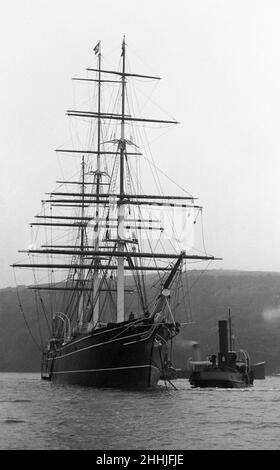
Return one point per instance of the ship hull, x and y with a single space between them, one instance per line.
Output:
122 357
218 379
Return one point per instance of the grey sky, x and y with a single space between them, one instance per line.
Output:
220 61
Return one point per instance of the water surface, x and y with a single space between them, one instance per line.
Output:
36 414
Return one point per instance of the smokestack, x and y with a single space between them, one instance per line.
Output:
196 352
223 338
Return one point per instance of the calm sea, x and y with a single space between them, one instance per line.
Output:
36 414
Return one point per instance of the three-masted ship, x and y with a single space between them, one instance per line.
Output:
114 324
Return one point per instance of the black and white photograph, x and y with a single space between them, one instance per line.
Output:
140 228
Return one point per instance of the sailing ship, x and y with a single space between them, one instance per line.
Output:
108 253
232 369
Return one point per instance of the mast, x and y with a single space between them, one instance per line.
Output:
82 243
121 206
98 184
98 175
230 330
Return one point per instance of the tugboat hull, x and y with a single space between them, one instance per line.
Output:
218 378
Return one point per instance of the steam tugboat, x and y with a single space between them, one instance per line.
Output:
232 369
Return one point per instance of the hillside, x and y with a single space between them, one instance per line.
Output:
254 299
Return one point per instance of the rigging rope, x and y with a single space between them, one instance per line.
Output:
24 317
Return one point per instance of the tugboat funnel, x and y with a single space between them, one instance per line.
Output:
196 352
223 338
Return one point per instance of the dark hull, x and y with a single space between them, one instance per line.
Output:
218 379
123 356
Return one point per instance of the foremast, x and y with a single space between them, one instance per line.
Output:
98 185
121 205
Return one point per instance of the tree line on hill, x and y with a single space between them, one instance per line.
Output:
253 298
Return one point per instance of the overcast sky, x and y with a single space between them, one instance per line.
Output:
220 64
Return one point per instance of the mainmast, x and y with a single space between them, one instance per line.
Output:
121 206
